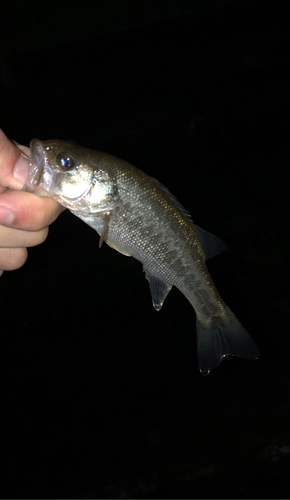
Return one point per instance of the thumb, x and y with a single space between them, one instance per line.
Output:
13 165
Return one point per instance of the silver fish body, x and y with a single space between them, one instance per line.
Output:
139 217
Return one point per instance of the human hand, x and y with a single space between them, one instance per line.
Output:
24 217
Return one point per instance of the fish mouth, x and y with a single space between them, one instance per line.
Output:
36 164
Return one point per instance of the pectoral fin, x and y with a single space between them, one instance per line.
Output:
159 289
104 236
105 229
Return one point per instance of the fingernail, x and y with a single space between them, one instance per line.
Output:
21 169
6 217
21 148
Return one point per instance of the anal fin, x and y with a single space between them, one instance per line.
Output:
159 289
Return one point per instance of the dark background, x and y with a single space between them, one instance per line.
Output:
101 396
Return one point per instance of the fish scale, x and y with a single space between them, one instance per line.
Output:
137 216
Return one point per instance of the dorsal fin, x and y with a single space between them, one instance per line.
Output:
175 200
211 244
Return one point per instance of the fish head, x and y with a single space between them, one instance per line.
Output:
72 175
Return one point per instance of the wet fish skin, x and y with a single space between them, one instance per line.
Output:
136 215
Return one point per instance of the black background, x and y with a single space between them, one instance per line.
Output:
101 396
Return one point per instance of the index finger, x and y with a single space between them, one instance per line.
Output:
13 165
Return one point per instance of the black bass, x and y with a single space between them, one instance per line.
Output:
137 216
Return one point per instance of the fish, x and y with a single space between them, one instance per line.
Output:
139 217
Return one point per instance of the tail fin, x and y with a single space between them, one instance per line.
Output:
221 337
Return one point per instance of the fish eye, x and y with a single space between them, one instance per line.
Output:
65 160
